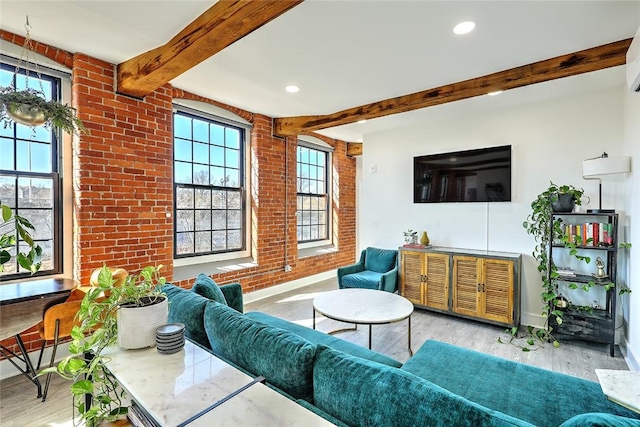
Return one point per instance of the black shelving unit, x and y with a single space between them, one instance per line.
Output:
597 324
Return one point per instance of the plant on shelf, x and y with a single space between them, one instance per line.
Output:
12 227
97 330
410 236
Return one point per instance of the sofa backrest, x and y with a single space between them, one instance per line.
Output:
285 359
364 393
380 260
187 307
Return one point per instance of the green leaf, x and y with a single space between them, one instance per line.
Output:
556 344
6 213
499 340
82 387
526 349
530 342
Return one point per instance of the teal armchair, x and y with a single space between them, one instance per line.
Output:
377 269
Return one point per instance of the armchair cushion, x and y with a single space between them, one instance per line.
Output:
364 279
208 288
380 260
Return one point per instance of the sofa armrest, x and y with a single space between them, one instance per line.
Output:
389 281
349 269
233 294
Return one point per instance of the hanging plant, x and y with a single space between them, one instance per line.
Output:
30 108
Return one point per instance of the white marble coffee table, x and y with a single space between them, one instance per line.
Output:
174 388
621 387
364 307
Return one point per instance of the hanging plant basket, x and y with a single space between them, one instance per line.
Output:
30 108
25 114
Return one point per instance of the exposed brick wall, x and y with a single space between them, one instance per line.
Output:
122 174
60 56
123 186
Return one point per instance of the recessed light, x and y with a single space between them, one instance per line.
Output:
292 89
362 121
494 93
464 27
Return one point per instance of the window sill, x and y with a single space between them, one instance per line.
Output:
316 250
190 271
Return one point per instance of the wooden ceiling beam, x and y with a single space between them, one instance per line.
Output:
354 149
584 61
221 25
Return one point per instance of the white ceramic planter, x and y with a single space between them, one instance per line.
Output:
137 325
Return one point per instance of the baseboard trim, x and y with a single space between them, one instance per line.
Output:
629 354
287 286
7 370
530 319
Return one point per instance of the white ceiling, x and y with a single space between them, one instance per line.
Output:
347 53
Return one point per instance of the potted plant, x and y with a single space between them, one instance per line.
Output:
95 390
30 108
12 226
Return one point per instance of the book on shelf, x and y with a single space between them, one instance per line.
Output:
596 234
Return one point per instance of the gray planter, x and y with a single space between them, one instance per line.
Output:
565 203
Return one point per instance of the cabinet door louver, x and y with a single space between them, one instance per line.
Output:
412 276
437 286
465 285
498 290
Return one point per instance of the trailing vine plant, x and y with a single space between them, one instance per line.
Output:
546 232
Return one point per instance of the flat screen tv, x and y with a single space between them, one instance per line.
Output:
482 175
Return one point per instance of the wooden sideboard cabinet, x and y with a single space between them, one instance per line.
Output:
427 279
482 285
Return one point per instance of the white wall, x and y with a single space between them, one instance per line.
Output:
631 302
549 141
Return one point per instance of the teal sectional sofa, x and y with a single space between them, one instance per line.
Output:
349 385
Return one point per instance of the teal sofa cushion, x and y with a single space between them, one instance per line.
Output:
317 337
536 395
233 294
364 393
188 308
380 260
208 288
600 420
365 280
282 357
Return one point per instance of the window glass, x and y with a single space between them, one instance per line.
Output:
29 177
208 180
312 212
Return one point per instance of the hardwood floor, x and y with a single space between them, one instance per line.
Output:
19 406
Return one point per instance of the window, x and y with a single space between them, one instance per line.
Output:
313 194
208 185
29 176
